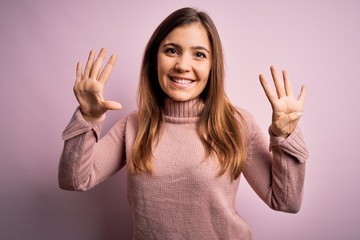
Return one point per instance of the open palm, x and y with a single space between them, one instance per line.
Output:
89 87
287 110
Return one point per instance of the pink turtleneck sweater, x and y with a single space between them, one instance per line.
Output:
184 198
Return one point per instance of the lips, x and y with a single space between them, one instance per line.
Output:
181 80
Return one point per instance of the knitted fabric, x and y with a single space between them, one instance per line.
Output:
184 198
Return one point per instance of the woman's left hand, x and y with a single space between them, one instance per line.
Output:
286 109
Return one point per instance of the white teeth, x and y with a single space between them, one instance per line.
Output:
181 81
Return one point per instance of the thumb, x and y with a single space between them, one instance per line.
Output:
294 116
112 105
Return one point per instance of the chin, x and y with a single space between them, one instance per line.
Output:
180 98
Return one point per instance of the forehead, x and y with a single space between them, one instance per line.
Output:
193 34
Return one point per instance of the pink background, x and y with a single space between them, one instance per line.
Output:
318 42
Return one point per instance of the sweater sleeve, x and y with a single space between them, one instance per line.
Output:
86 159
276 173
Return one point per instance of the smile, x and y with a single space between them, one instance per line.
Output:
181 81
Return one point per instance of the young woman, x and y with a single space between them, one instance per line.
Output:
186 146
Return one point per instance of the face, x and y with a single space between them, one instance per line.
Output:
184 62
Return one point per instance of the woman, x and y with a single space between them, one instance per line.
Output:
186 146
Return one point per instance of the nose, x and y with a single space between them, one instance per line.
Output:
183 63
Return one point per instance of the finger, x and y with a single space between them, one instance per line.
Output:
267 89
288 88
294 116
89 64
94 73
302 95
104 76
112 105
78 72
279 85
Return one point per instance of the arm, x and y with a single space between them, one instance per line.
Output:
87 160
277 176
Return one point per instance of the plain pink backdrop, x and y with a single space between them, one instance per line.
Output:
318 42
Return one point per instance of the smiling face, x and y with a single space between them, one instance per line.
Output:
184 62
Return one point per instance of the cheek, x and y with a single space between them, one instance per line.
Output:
162 67
160 61
203 72
161 70
204 84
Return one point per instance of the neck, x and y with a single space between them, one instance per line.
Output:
183 109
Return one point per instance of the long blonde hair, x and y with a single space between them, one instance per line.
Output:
220 127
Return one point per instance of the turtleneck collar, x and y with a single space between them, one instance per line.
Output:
182 112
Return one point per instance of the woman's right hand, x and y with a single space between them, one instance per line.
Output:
89 87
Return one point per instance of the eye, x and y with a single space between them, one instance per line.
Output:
171 51
200 55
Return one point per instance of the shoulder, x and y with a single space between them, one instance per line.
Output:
132 122
245 115
129 118
126 122
248 123
132 117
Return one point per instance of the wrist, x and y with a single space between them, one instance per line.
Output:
281 135
89 118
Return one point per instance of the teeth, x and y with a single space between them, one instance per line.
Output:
182 81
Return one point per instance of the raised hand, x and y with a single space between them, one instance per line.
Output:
89 87
286 109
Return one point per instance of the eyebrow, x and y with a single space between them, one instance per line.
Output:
194 47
